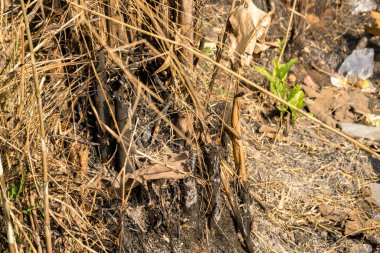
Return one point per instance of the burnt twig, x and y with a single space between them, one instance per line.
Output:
238 217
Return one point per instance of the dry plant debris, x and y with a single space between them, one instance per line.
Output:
137 156
334 105
247 28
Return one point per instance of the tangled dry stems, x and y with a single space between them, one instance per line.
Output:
85 211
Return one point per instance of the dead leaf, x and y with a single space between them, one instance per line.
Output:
374 30
185 123
336 218
333 106
332 215
376 15
312 19
247 28
83 156
267 129
164 66
353 225
272 132
174 168
375 194
78 155
324 210
310 87
322 105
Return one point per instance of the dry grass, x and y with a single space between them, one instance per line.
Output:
88 213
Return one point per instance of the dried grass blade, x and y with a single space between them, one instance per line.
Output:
7 219
49 246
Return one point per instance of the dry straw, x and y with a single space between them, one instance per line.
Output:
44 135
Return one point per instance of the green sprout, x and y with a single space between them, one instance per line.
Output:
278 86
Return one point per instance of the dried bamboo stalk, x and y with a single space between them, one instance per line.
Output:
237 143
185 20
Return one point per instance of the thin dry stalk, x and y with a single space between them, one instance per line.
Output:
34 223
7 217
22 80
288 31
37 91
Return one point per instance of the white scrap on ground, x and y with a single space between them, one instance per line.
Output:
361 6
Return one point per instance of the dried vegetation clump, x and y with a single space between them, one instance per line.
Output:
118 109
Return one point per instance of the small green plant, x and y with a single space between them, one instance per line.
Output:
281 44
28 210
15 189
208 50
279 87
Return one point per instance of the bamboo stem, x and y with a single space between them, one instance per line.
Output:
185 20
237 143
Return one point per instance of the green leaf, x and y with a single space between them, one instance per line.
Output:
281 44
282 108
276 67
208 50
279 89
265 73
296 98
20 185
283 69
278 86
12 192
27 211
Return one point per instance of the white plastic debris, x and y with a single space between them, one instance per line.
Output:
355 71
358 64
361 131
338 80
361 6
